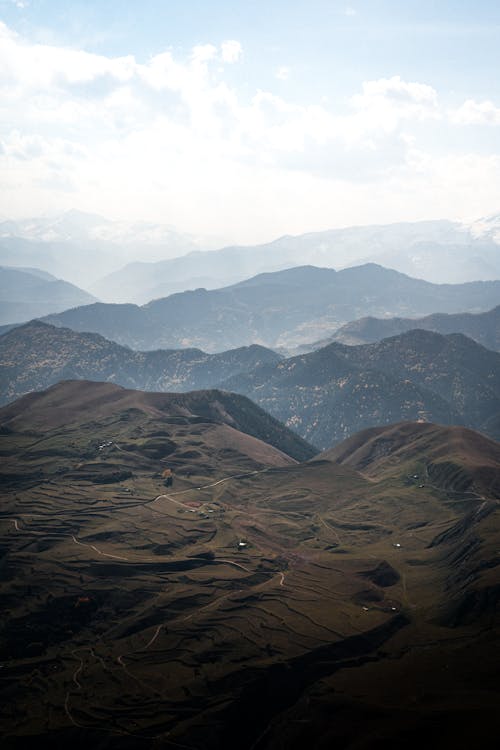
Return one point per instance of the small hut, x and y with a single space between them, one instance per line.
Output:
168 477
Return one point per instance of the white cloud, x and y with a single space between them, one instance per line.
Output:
476 113
169 139
36 66
349 11
388 101
231 51
203 53
283 73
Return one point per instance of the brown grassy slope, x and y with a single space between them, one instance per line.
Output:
133 618
73 402
455 456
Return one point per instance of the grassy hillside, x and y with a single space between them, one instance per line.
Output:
453 457
250 601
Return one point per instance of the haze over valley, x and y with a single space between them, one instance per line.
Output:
285 308
90 250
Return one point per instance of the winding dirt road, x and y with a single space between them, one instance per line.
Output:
99 552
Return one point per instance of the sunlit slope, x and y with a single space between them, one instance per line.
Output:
453 457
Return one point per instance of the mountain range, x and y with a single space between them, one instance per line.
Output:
281 309
333 392
325 395
27 293
482 327
253 596
139 261
37 355
438 251
206 542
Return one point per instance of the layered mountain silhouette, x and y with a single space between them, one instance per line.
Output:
37 355
324 396
285 308
27 293
482 327
208 543
420 375
464 253
82 247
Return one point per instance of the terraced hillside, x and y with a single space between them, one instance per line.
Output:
254 601
456 459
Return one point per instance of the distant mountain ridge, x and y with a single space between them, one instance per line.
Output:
324 396
281 309
31 293
335 391
81 247
465 253
139 261
484 328
37 355
79 226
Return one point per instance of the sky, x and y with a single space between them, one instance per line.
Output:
249 120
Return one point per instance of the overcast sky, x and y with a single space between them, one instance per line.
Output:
250 119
